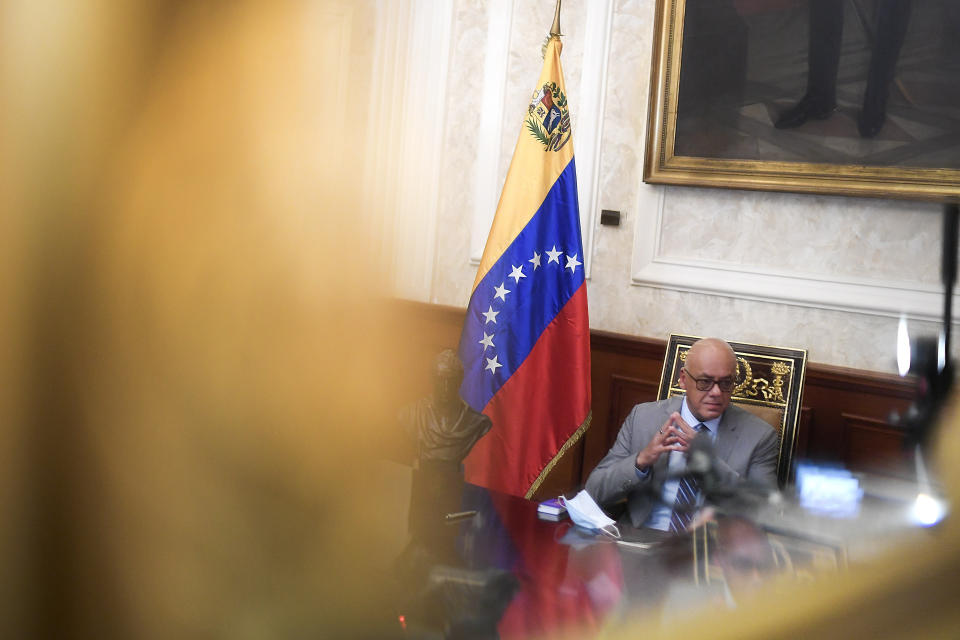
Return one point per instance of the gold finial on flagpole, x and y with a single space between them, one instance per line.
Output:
555 29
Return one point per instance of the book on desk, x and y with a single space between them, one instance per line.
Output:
551 509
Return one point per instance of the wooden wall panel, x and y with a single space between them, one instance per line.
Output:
834 396
843 418
872 445
623 374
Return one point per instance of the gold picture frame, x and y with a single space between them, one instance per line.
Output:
665 163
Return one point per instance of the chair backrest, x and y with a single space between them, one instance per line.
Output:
769 384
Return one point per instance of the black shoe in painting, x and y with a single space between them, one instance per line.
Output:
808 108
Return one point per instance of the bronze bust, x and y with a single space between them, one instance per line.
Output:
443 426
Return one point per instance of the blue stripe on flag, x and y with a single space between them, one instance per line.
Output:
532 301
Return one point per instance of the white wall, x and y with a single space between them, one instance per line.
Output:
829 274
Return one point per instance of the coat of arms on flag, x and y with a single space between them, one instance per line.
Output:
549 119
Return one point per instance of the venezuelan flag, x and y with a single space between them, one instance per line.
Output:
525 344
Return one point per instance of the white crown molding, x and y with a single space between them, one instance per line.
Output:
915 300
588 127
406 148
381 148
486 185
423 127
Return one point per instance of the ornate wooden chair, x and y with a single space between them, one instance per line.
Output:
769 383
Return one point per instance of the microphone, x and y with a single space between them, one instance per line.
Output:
702 465
725 493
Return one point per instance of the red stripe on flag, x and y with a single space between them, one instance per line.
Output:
537 410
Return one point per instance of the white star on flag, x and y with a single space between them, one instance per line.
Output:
554 255
487 341
572 263
501 292
490 315
492 364
517 273
535 260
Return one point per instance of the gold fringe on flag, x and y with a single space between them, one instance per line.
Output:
572 440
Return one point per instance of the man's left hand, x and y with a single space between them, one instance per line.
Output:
684 430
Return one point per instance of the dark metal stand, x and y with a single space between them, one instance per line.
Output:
930 357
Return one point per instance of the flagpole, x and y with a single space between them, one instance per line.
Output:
555 29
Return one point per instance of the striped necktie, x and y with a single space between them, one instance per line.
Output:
683 506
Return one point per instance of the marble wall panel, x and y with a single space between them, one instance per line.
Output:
819 236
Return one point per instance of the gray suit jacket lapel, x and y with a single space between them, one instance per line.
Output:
727 437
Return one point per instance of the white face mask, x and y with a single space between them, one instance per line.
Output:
585 513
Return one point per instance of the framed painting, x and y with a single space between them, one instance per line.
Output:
737 100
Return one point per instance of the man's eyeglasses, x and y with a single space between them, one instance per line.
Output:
705 384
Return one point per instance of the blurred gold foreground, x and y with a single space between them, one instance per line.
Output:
197 369
193 397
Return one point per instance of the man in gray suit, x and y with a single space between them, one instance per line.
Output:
646 464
